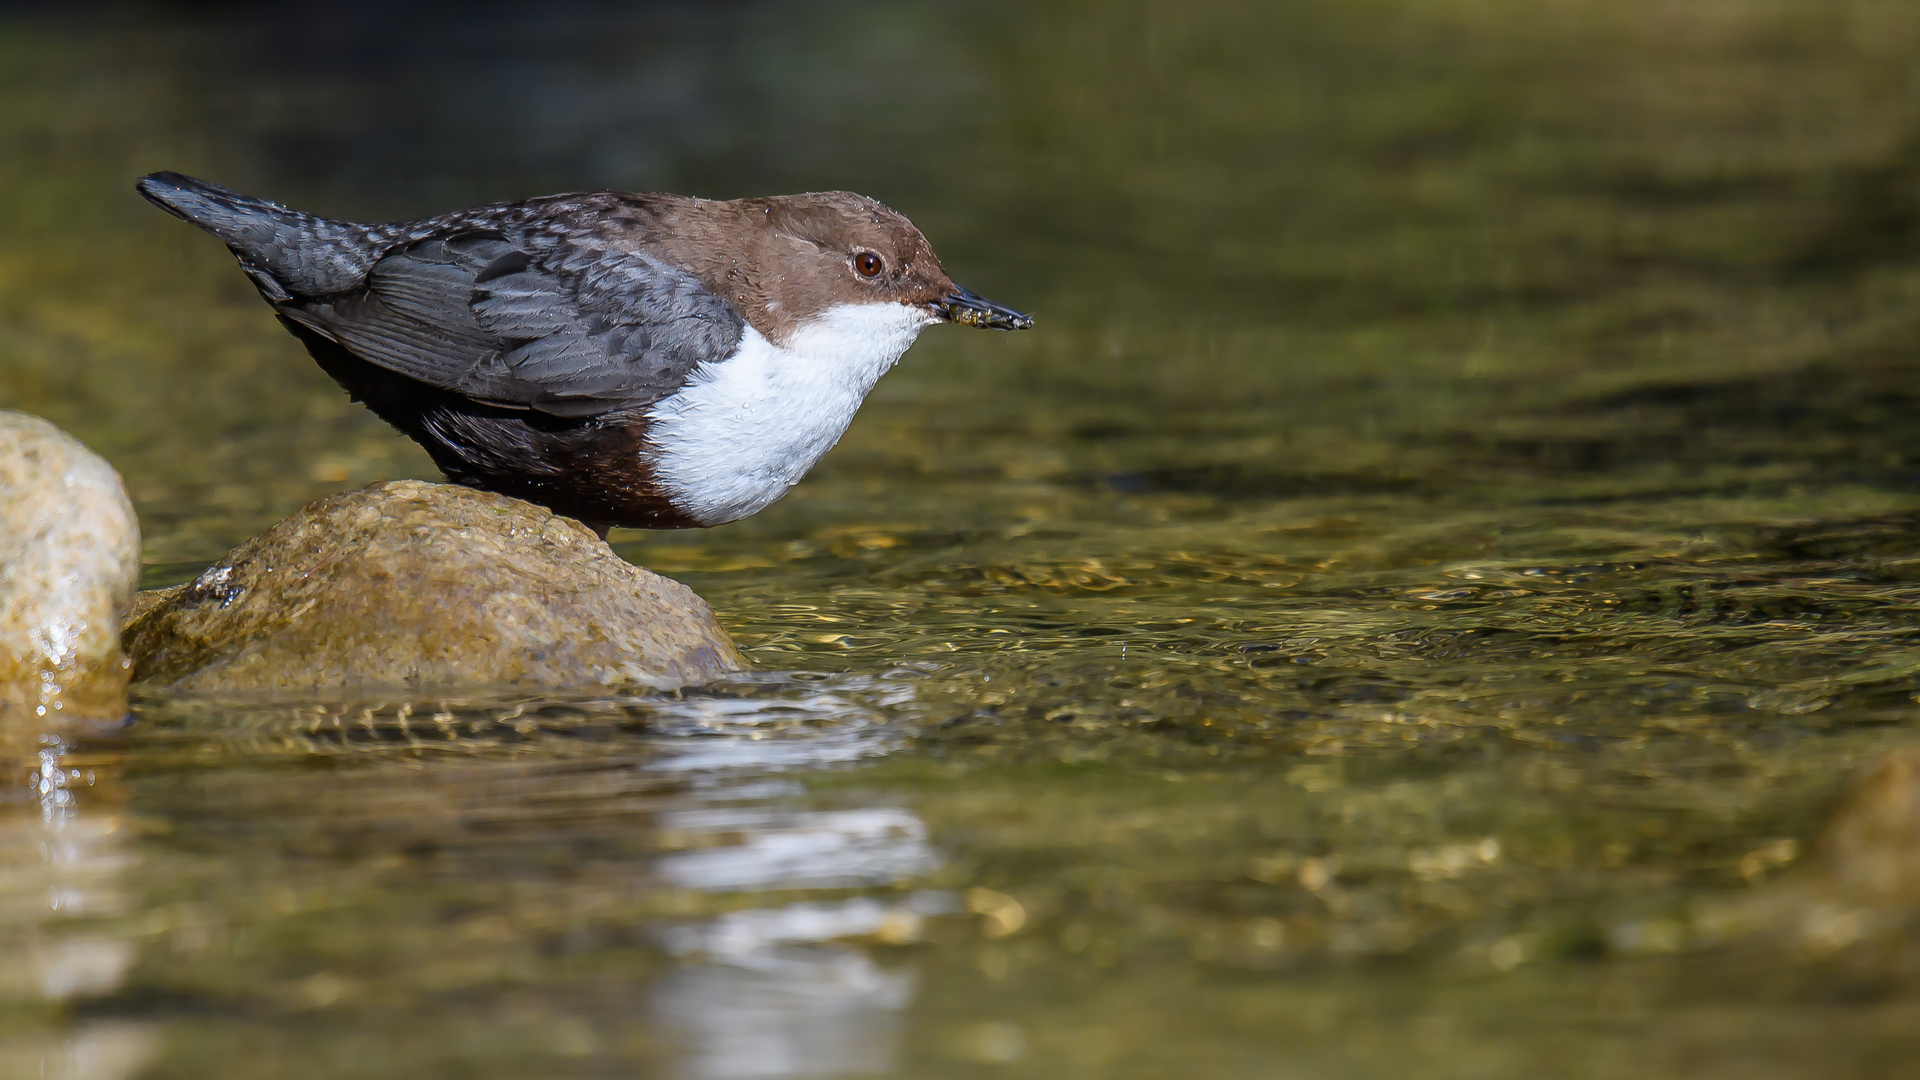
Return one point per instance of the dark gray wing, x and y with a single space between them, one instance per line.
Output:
532 322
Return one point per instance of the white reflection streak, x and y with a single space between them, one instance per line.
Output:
808 724
772 1000
52 784
776 992
67 863
812 1011
799 850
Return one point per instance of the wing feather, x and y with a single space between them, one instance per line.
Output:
533 321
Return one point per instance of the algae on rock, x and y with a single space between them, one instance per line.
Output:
420 586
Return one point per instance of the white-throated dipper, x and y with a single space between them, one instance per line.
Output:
642 360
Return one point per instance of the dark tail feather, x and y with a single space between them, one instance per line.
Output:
240 220
281 249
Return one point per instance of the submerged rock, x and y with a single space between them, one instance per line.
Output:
419 586
1870 844
1857 892
69 564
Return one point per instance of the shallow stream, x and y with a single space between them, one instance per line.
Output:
1452 528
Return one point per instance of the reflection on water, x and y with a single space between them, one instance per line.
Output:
767 992
672 824
815 850
1444 546
791 1012
849 718
63 888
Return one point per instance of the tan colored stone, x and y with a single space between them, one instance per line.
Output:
418 586
1857 893
1871 840
69 564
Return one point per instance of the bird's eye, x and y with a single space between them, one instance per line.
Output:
867 264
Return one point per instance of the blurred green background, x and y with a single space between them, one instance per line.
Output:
1442 548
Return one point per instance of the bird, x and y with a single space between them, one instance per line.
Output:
637 360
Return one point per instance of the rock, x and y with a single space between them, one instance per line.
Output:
1870 843
1857 892
69 564
415 586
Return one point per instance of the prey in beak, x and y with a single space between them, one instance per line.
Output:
968 308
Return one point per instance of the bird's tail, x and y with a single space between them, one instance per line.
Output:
240 220
277 246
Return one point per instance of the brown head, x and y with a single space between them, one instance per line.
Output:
784 259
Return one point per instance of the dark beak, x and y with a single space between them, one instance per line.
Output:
970 309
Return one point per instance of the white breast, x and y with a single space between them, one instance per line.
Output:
745 429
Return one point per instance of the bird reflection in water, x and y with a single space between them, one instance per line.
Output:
520 839
776 991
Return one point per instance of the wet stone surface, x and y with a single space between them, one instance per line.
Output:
423 587
69 561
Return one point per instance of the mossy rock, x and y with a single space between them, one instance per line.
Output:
415 586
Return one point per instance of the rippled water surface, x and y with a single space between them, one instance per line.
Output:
1444 545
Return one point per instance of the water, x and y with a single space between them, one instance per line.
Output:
1448 537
